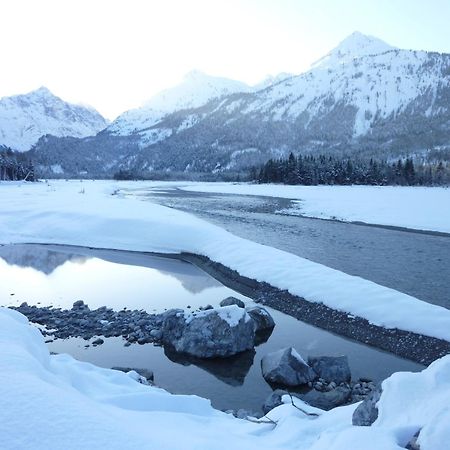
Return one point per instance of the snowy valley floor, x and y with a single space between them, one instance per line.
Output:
57 402
419 208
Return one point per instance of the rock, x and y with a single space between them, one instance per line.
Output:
367 412
331 368
156 334
286 367
326 400
98 341
263 320
205 308
244 413
219 332
232 301
413 444
78 304
273 400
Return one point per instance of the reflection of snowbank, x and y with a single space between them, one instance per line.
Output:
58 402
60 214
37 257
47 258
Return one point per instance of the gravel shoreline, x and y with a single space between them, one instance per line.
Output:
415 347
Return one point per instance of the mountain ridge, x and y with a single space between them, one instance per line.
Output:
24 118
363 96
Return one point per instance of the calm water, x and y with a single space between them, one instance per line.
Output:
59 275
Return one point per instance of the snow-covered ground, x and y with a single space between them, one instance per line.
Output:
421 208
58 402
86 214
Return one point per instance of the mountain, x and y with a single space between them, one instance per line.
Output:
195 90
363 97
25 118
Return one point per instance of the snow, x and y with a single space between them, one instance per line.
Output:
231 314
376 80
86 214
420 208
297 356
195 90
25 118
54 401
354 46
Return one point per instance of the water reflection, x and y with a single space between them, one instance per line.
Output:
58 276
231 371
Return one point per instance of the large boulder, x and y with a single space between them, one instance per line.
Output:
331 368
367 412
218 332
327 400
263 320
232 301
287 368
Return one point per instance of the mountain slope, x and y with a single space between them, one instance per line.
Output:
195 90
25 118
364 96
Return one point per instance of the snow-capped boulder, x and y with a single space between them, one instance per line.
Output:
261 317
367 412
219 332
232 301
286 367
331 368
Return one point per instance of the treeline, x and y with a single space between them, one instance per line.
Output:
325 169
15 166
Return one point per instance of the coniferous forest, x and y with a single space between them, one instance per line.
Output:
325 169
15 166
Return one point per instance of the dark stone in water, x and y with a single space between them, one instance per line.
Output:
287 368
327 400
232 301
219 332
331 368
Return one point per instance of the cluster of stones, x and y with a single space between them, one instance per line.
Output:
80 321
203 334
209 333
328 379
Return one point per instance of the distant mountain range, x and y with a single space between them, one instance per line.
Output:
25 118
364 96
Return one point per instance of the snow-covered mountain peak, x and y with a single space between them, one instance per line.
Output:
354 46
41 92
195 90
25 118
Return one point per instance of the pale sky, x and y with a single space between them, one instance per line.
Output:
115 54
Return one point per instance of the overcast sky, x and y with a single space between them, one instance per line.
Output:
114 54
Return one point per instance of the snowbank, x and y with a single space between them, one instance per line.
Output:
421 208
86 214
57 402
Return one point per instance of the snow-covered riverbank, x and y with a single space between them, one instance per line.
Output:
86 214
57 402
420 208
